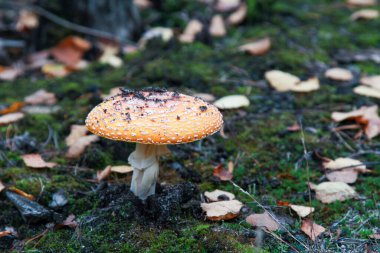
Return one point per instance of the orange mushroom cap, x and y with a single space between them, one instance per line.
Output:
154 116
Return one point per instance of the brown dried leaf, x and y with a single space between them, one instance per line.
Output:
302 211
11 118
27 20
329 192
70 50
41 97
15 107
192 29
238 16
258 47
222 210
36 161
217 27
218 195
367 14
312 229
361 2
77 148
262 220
76 131
122 169
366 116
339 74
222 174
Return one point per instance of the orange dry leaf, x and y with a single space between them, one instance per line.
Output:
41 97
366 116
36 161
258 47
312 229
11 118
222 174
70 50
22 193
15 107
263 220
4 233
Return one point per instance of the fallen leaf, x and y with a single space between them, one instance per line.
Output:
367 91
22 193
76 131
122 169
192 29
70 50
27 20
222 210
328 192
11 118
10 74
2 186
306 86
4 233
238 16
302 211
367 14
232 102
55 70
41 97
226 5
294 128
280 80
40 109
70 221
262 220
312 229
36 161
38 59
156 32
342 163
218 195
339 74
15 107
110 57
217 28
258 47
79 146
372 81
361 2
205 97
344 170
222 174
366 116
142 4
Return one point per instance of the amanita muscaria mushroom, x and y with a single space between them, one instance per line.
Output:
153 118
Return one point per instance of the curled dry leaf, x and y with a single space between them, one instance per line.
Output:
77 148
156 32
222 174
41 97
27 20
329 192
226 5
70 50
263 220
217 27
11 118
218 195
367 14
258 47
339 74
2 186
222 210
122 169
238 16
366 116
232 102
312 229
76 132
192 29
15 107
35 161
361 2
302 211
344 170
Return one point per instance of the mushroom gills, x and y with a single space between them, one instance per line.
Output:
145 163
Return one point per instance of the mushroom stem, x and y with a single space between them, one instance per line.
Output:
144 161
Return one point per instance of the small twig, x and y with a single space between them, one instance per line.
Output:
337 133
37 236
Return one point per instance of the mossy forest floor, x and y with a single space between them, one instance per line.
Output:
308 37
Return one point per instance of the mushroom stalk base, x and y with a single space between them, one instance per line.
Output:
144 161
